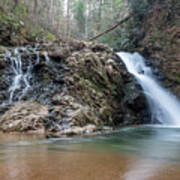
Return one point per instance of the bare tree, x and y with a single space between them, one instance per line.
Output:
35 6
15 5
99 15
68 18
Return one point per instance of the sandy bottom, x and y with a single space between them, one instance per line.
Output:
43 162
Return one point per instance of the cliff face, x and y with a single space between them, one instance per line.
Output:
159 39
73 88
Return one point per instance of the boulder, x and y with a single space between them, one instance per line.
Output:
81 89
24 117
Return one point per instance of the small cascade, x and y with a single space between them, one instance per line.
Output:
21 70
47 58
164 106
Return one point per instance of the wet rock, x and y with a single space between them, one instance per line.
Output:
2 64
72 131
135 105
89 130
85 87
2 49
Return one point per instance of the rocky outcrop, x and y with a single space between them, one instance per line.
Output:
158 37
23 117
82 89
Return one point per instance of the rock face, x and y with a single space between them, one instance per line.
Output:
161 40
81 88
24 116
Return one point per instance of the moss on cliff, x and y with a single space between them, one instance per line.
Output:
157 35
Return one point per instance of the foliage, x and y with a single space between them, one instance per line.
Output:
9 19
82 19
20 10
139 8
79 19
80 16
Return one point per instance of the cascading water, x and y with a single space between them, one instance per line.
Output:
21 74
164 106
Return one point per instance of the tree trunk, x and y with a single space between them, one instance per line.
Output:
68 19
99 15
15 5
35 6
111 28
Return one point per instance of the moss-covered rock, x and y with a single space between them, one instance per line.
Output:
24 117
83 86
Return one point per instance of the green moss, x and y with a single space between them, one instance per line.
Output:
178 77
7 19
49 36
2 49
16 30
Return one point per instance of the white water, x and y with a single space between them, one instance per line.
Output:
164 106
47 58
21 77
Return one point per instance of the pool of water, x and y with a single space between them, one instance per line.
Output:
134 153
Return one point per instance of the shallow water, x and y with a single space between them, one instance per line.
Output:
135 153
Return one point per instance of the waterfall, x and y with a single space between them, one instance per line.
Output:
21 70
47 58
164 106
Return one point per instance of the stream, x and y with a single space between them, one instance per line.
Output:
150 152
142 152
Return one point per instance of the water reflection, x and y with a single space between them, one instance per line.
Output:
163 145
135 153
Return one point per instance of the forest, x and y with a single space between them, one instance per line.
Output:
76 18
89 89
80 19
